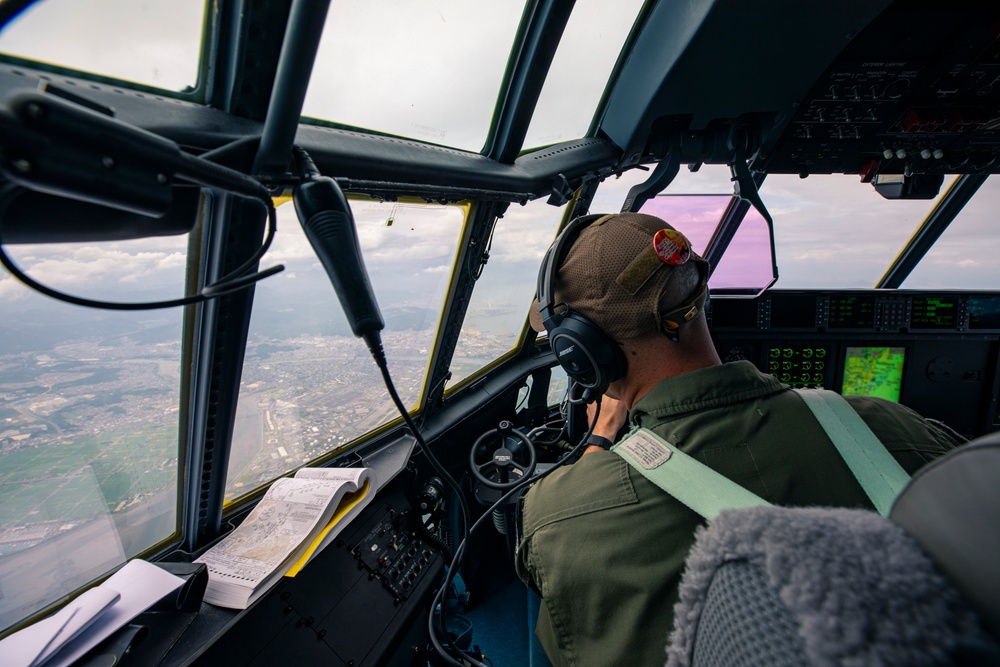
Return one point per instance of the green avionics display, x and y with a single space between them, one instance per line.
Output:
873 371
798 366
933 313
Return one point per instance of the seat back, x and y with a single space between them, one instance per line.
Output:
816 586
951 508
744 623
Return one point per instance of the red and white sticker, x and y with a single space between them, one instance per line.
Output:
671 247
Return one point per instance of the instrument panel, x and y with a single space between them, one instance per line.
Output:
936 352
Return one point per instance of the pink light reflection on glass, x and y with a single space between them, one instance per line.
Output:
696 216
747 261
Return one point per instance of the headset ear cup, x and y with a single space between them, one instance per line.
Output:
587 354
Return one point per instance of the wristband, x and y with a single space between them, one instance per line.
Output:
600 441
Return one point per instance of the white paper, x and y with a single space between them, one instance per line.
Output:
352 475
280 523
85 610
36 643
141 585
65 636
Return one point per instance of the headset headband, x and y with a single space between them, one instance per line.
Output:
550 267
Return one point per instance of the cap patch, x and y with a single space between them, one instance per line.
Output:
671 247
639 271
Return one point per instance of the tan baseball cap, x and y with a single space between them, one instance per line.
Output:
631 274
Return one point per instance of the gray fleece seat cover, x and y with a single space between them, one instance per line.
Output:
856 587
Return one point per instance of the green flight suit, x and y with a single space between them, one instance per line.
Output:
604 547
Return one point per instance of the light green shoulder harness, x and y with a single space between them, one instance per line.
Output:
708 493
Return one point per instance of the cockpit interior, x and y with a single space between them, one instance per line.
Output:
247 238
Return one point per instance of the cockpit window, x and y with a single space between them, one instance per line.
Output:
587 54
89 410
965 255
832 231
156 44
309 387
746 266
497 311
696 216
429 70
433 71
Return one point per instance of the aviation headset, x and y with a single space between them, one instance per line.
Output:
589 356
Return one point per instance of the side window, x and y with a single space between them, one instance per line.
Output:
309 387
965 255
499 306
89 410
557 386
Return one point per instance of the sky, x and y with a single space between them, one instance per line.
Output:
374 68
155 42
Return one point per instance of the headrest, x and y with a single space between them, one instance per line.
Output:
860 591
951 508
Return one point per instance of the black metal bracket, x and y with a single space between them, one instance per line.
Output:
744 185
662 176
562 191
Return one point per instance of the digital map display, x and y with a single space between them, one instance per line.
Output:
874 371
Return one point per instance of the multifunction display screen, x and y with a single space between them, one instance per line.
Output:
934 313
852 312
793 311
984 312
874 371
736 313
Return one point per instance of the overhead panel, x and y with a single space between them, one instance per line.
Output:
713 61
918 91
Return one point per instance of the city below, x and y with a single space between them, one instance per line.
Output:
91 427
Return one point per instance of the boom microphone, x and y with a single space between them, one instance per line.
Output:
329 225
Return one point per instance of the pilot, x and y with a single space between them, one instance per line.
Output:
602 545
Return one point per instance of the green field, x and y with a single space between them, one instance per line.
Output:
69 482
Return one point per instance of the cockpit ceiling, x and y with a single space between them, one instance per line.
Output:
870 87
919 89
865 87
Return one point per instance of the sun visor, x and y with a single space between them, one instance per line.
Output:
34 217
